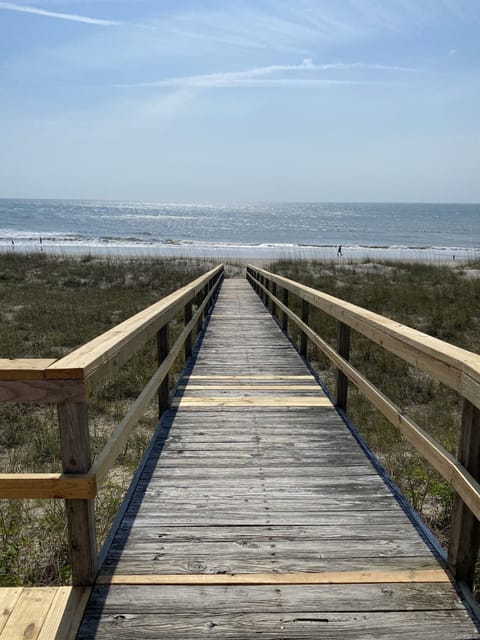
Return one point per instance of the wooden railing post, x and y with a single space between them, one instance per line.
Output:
205 291
75 453
188 340
303 336
285 317
163 348
465 532
274 306
343 349
198 302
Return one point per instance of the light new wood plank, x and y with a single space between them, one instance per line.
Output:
29 614
8 599
66 613
251 376
47 485
259 401
342 577
250 387
24 368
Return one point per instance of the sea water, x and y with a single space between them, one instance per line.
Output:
313 230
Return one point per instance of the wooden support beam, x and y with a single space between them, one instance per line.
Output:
285 316
162 353
42 391
188 339
343 349
303 336
274 294
47 485
465 533
75 453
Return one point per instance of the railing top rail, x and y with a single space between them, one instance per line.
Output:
96 359
451 365
102 351
24 368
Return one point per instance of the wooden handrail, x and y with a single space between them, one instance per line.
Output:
70 381
119 437
457 368
453 366
99 359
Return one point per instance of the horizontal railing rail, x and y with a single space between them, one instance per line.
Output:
70 381
455 367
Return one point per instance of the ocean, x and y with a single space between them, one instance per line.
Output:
293 229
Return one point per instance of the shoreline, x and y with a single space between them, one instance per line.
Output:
259 254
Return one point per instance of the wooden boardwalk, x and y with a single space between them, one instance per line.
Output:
259 515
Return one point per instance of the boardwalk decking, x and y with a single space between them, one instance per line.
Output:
258 514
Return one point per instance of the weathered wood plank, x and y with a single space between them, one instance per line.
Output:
439 625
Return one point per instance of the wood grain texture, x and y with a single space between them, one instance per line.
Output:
24 368
41 613
47 485
75 454
327 577
42 391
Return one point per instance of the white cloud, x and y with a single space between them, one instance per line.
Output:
268 76
10 6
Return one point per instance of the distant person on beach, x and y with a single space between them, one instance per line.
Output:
13 245
339 251
41 244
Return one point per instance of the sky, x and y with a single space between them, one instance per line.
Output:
234 101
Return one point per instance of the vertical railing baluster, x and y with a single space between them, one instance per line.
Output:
285 317
163 348
75 454
303 335
188 341
198 302
274 306
465 533
343 349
